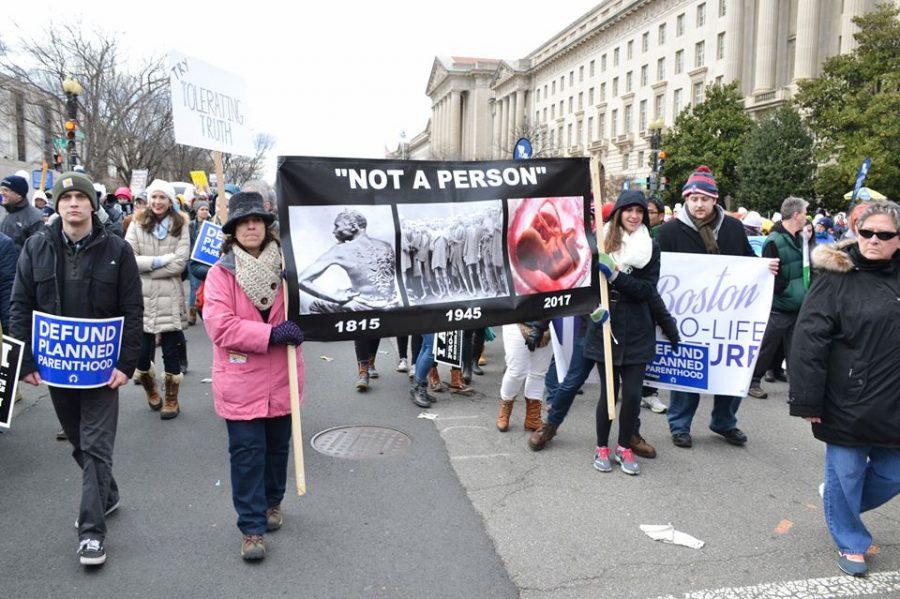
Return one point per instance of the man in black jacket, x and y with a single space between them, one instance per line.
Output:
22 219
702 227
75 268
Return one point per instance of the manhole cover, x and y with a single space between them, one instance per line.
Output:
359 442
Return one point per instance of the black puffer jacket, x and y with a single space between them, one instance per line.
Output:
845 354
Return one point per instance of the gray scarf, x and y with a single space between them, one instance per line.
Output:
259 277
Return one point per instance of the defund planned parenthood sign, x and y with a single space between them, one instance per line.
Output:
78 353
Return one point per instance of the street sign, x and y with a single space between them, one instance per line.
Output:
59 143
523 150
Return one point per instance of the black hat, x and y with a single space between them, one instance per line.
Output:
631 197
244 204
16 184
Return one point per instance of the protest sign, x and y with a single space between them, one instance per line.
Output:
209 244
78 353
200 181
563 333
138 181
757 242
721 304
209 106
383 247
448 348
10 366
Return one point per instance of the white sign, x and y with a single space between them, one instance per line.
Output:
209 106
722 305
138 180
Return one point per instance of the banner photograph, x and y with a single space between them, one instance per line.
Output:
384 247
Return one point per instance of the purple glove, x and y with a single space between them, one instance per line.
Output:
286 333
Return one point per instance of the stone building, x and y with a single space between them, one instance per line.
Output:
594 88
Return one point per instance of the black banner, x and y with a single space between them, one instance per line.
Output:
10 365
377 248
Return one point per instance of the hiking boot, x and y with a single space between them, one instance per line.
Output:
274 518
362 383
682 440
170 408
457 385
373 374
253 547
601 459
640 447
734 436
625 458
757 392
653 403
532 414
418 393
91 552
147 380
403 365
503 417
539 438
434 381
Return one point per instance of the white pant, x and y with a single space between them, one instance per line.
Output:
523 366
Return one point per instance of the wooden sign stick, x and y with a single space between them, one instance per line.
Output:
221 202
596 188
294 383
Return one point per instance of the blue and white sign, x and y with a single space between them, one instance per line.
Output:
208 244
77 353
36 179
684 365
523 150
757 242
860 178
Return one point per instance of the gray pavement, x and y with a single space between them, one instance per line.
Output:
467 512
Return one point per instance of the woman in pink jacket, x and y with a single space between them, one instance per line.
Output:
244 313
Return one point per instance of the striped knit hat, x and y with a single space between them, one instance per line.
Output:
701 182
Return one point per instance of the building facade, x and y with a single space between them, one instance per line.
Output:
594 88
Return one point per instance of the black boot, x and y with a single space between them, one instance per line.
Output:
467 372
418 393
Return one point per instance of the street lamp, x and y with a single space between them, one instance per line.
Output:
656 157
72 89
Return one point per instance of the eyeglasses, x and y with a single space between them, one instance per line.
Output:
882 235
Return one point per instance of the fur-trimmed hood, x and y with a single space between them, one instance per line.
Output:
834 257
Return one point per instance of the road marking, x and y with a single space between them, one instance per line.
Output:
442 418
479 456
811 588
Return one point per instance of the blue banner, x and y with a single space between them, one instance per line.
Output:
523 150
684 366
860 178
78 353
208 244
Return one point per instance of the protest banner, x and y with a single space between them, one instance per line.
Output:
448 348
388 247
138 181
77 353
721 304
200 181
209 244
10 367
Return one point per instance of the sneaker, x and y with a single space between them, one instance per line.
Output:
654 404
770 377
91 552
402 365
601 459
625 458
274 518
108 511
253 547
757 392
373 374
853 567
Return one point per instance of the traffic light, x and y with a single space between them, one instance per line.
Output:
661 161
71 126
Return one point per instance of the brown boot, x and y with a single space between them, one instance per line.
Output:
434 381
539 438
457 385
362 383
505 412
170 407
532 414
192 316
147 379
641 448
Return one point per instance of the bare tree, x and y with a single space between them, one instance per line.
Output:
240 169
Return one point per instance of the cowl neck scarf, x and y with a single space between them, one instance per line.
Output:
635 251
259 277
707 230
162 228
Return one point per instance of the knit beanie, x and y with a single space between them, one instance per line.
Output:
16 183
73 181
163 186
702 182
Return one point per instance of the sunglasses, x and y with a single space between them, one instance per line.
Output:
882 235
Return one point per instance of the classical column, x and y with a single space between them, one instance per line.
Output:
734 40
766 40
455 125
495 140
510 120
503 142
435 119
852 8
807 47
520 113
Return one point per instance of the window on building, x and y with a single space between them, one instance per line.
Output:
628 81
661 35
613 118
659 106
537 95
569 135
642 116
560 108
545 114
553 138
698 92
571 104
791 55
701 14
580 100
719 80
625 162
553 111
615 87
591 97
579 134
603 92
698 54
601 126
660 69
645 41
629 50
679 61
562 83
590 129
559 135
679 25
640 162
591 68
537 117
581 73
603 63
644 75
616 57
626 126
571 78
676 103
554 86
721 8
720 46
545 91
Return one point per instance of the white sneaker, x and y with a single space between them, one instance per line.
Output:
402 365
654 404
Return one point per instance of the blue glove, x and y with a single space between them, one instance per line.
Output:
286 333
607 266
600 315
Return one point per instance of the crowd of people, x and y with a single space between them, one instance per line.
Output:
78 251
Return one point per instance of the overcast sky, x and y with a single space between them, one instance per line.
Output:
326 78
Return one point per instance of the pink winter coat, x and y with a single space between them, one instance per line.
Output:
250 377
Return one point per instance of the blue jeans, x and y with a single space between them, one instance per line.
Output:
682 406
551 380
857 479
259 458
561 399
425 360
195 283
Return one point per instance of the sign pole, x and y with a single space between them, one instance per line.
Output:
43 175
221 202
293 380
604 291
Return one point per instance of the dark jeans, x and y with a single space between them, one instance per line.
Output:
89 418
551 380
415 347
171 342
630 378
779 331
403 347
366 349
259 458
561 400
683 405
